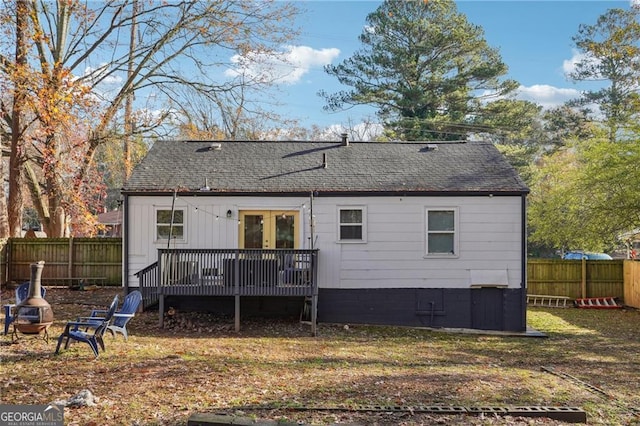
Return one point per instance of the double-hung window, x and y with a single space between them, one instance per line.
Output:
352 226
168 226
441 232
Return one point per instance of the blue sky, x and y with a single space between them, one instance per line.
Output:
533 37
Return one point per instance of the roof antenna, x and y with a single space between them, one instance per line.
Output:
345 141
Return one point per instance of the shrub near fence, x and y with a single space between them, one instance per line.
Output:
67 260
576 278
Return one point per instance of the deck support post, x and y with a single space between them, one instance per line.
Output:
161 310
314 297
314 314
583 279
237 313
236 292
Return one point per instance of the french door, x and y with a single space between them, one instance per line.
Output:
269 229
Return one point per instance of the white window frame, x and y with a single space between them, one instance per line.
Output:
455 232
363 224
182 225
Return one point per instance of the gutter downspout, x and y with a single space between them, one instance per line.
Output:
125 243
314 268
525 255
311 224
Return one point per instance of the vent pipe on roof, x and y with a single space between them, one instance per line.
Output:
345 141
324 161
206 185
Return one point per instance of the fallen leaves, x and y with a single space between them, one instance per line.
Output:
160 376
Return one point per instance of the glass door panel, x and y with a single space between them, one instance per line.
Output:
253 231
269 229
285 231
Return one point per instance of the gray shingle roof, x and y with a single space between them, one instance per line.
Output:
297 167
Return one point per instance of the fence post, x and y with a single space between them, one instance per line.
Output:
10 260
583 281
4 261
70 267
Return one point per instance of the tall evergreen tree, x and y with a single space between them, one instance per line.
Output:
611 53
426 68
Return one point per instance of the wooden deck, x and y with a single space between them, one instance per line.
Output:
230 272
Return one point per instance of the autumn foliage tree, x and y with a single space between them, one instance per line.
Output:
76 68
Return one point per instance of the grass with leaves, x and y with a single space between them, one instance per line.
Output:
274 369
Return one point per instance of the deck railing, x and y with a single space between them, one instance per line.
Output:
230 272
148 285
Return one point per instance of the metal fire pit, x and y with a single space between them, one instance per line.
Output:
34 315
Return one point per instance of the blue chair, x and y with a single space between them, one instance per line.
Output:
94 340
121 318
22 292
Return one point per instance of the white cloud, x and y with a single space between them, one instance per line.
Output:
545 95
569 65
113 79
100 72
286 67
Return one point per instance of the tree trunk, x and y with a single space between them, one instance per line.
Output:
128 107
57 225
16 200
4 222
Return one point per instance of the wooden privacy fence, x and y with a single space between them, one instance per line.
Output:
632 283
67 260
3 259
589 278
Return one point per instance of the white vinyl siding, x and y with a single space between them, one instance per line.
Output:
488 234
206 224
488 237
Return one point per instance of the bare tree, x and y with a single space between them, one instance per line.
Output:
83 66
238 113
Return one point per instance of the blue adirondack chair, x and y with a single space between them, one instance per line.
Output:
93 339
122 316
22 292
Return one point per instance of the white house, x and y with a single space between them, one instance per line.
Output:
403 233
